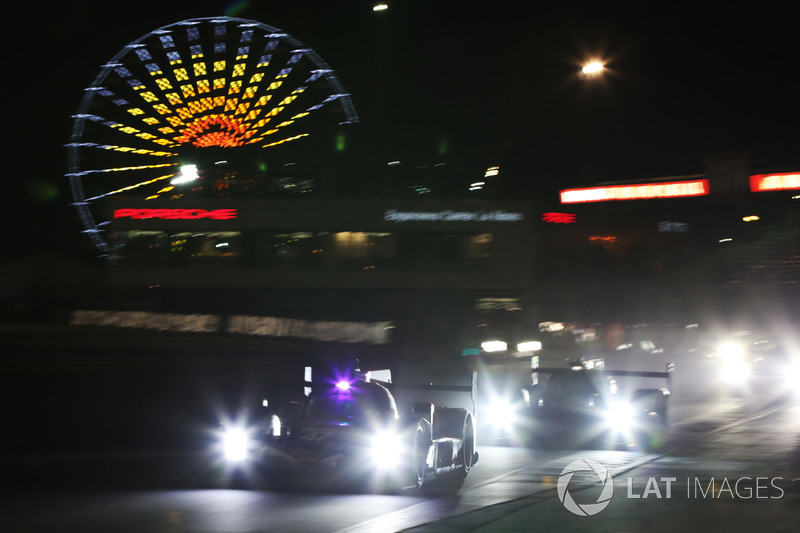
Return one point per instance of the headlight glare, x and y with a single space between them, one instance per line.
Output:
385 449
500 413
735 370
793 373
620 415
730 350
235 444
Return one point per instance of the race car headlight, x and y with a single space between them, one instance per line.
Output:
735 370
235 444
730 350
500 413
385 449
793 373
619 415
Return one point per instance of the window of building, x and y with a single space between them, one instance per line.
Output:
362 250
162 249
444 251
303 250
285 251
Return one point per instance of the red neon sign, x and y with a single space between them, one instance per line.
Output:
559 218
645 191
176 214
774 182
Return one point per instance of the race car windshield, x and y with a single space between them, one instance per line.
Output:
356 405
572 384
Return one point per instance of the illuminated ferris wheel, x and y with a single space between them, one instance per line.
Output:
202 86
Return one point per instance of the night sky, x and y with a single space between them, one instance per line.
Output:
498 82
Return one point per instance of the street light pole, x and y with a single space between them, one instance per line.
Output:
591 71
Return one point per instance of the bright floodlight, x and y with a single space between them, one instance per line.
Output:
380 7
494 346
593 68
343 385
188 173
529 346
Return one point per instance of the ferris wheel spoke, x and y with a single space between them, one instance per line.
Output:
131 187
129 130
286 140
123 149
125 169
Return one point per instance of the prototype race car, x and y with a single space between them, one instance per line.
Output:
583 403
750 364
350 432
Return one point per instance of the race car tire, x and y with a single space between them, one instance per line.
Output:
652 401
652 432
421 446
468 455
457 423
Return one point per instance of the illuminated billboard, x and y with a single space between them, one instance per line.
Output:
643 191
774 182
176 214
559 218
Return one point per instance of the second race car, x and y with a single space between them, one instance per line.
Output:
579 404
584 403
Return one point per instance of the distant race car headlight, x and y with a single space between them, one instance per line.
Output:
235 444
735 370
500 413
619 415
793 373
385 449
733 366
730 350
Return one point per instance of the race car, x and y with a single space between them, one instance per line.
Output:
583 403
350 432
748 364
503 402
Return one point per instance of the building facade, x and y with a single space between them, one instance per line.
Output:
426 269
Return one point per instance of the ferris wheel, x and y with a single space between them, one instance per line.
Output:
188 90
